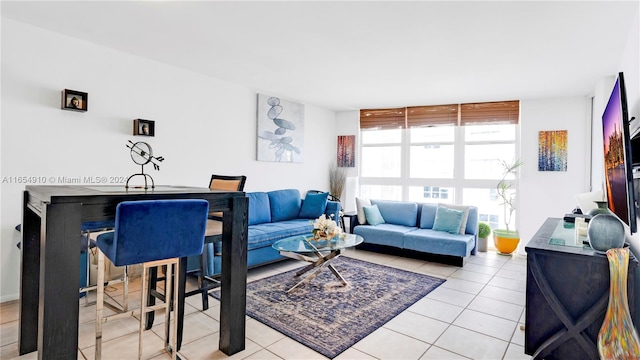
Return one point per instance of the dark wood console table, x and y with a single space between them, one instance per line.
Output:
567 296
51 220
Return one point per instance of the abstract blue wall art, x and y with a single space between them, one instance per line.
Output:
280 130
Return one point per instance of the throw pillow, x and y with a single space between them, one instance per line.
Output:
285 204
465 215
372 213
313 205
360 204
448 220
259 209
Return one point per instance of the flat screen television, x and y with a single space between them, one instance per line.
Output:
617 156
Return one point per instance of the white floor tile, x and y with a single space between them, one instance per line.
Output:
417 326
481 269
436 353
518 335
449 296
507 283
387 344
463 285
353 354
471 344
472 276
497 308
261 334
436 309
486 324
516 352
287 348
506 295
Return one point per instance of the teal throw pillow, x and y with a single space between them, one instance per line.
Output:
313 205
448 220
372 213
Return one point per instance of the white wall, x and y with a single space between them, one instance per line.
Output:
543 194
203 126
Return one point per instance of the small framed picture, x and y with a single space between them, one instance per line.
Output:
75 100
144 127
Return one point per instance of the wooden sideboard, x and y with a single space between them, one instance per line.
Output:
567 295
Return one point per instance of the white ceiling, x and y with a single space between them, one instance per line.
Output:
363 54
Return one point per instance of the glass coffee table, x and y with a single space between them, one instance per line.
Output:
318 253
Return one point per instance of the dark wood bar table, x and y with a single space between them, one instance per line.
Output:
50 263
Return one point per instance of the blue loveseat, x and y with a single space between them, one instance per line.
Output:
410 225
274 215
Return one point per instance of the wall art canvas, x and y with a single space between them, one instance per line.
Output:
280 130
346 151
552 150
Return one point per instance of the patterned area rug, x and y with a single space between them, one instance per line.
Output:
329 317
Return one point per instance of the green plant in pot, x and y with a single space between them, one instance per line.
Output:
484 230
506 241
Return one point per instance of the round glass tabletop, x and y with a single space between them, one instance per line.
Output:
302 244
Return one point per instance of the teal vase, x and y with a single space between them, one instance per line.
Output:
601 209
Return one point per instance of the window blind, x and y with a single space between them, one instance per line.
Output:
500 112
436 115
382 118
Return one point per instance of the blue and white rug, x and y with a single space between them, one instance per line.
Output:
328 317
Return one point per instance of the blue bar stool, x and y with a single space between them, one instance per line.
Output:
153 233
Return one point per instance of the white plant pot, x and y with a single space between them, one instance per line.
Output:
482 244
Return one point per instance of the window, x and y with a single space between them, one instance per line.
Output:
439 154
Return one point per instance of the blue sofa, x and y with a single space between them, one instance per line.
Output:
410 225
273 215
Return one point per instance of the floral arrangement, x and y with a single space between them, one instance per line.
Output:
325 228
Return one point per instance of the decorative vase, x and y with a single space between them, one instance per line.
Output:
605 231
505 241
617 338
601 209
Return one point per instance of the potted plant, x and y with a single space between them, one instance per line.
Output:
506 241
484 230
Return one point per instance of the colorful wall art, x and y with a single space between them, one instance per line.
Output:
346 151
552 150
280 130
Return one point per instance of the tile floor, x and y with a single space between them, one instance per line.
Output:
475 314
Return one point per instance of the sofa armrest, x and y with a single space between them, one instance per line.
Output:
333 208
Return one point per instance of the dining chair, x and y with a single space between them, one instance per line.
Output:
152 233
198 265
213 240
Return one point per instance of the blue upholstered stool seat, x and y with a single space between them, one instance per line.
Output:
152 233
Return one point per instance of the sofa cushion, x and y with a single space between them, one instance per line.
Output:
428 216
448 220
465 215
383 234
259 209
360 204
263 235
438 242
372 213
398 212
313 205
285 204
